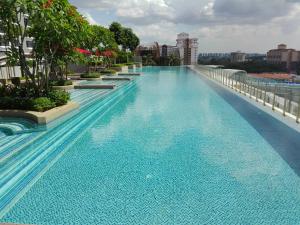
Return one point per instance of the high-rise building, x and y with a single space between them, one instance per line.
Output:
188 49
168 50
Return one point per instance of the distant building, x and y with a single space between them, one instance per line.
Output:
237 57
288 57
188 49
168 50
148 50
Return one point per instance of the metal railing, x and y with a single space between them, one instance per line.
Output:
281 97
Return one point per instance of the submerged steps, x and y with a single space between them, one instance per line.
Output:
23 169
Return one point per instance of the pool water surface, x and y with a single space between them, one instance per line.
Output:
172 151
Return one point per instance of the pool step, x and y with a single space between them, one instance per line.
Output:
129 74
25 167
116 78
95 86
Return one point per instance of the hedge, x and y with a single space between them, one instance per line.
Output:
108 72
90 75
61 82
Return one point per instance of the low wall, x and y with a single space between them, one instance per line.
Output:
41 117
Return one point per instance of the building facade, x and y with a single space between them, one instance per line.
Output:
5 48
188 49
237 57
148 50
168 50
288 57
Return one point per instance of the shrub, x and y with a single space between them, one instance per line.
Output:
16 81
42 104
90 75
108 72
22 103
118 65
59 97
61 82
6 103
15 103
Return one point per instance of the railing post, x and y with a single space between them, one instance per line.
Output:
256 92
298 113
265 95
274 98
284 105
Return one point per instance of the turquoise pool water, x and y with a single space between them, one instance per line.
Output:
172 150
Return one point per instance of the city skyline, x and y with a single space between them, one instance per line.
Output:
220 25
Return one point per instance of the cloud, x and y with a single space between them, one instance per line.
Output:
214 21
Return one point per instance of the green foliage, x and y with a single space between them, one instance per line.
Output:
59 97
118 65
6 102
42 104
171 60
124 57
256 67
101 38
108 72
90 75
61 82
15 103
124 36
148 60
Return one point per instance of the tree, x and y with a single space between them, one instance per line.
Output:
100 37
117 30
124 36
56 28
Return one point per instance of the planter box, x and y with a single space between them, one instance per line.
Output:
91 79
138 65
41 117
120 69
65 88
132 67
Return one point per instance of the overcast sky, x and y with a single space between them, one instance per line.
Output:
220 25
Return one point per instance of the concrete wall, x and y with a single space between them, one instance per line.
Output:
10 72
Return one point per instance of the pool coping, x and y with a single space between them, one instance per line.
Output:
288 119
41 117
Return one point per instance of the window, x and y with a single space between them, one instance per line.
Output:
29 44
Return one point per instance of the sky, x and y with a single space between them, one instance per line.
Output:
221 25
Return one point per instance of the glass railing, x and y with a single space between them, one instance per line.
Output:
280 96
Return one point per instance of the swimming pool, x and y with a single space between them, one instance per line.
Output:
175 149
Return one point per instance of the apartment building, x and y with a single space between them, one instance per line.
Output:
5 46
286 56
188 49
168 50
